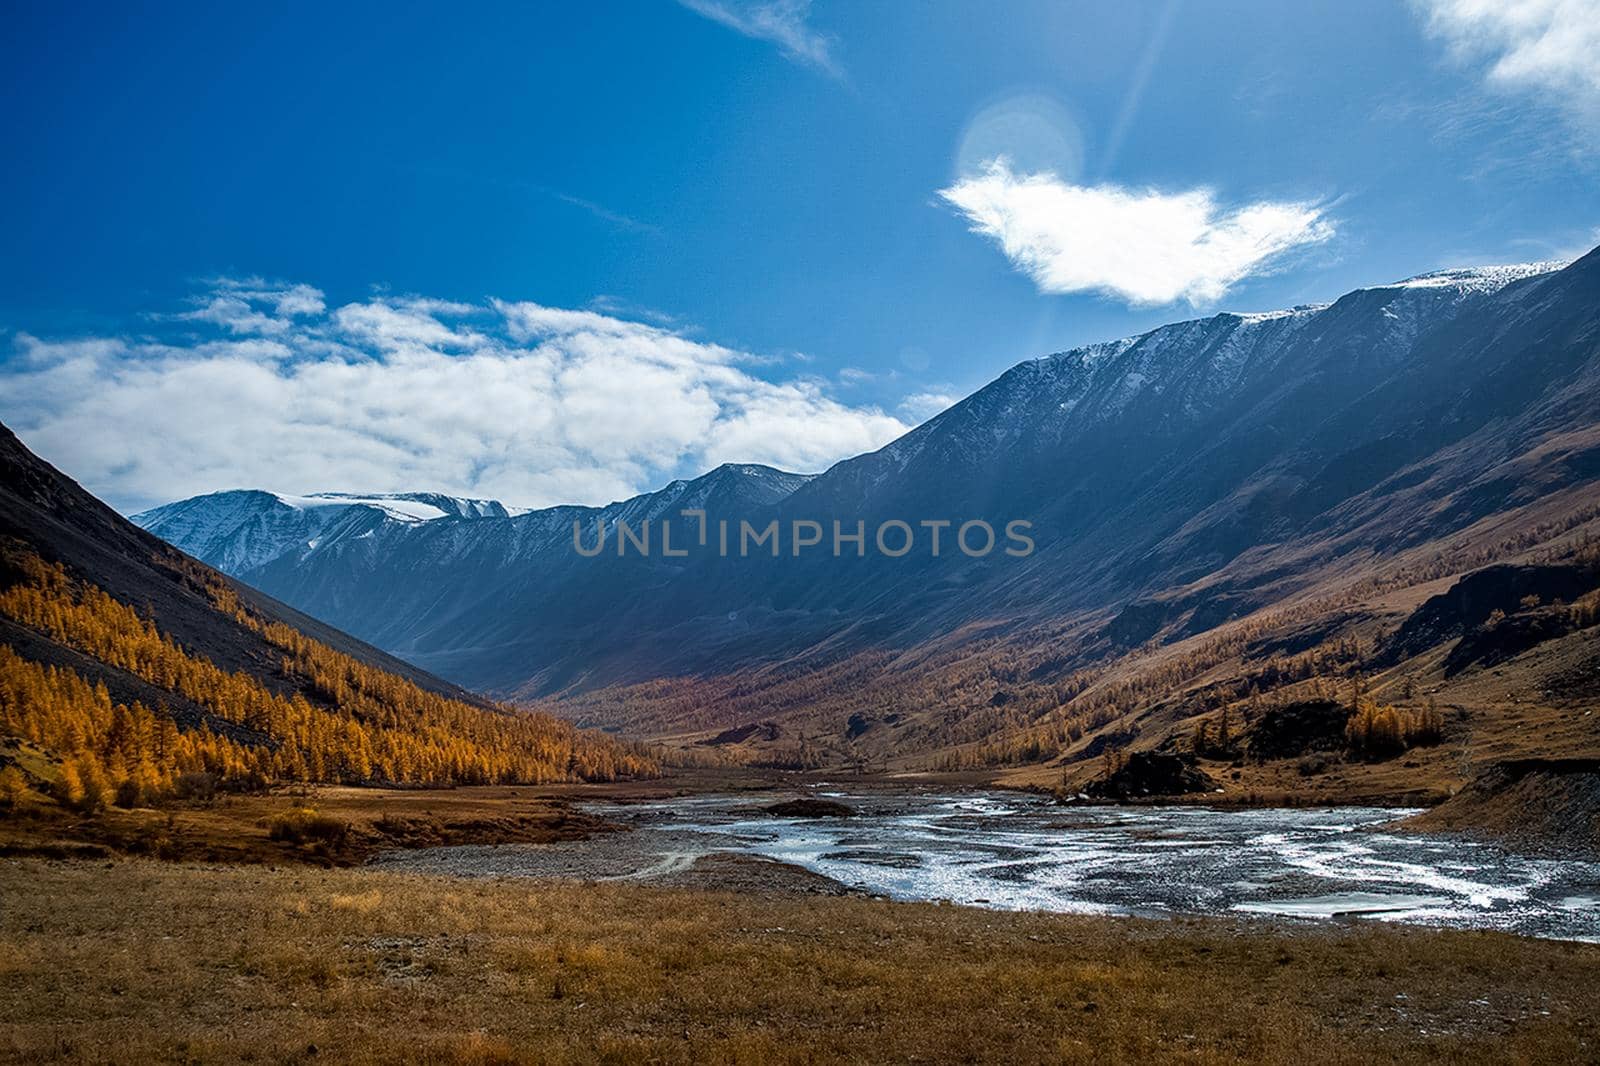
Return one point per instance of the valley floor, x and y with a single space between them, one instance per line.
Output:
137 960
195 934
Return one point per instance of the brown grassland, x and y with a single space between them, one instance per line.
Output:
135 960
240 827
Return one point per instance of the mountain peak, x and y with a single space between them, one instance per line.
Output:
1481 279
758 472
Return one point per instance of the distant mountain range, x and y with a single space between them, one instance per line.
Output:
420 581
241 530
1174 481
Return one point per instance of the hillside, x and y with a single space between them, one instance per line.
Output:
125 665
1234 519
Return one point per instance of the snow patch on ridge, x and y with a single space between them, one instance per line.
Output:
1479 279
400 509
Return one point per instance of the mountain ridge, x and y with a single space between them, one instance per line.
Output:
1079 362
1177 481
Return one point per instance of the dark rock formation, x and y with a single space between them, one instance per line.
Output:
1297 728
810 807
1150 773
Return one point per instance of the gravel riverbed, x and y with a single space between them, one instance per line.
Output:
678 858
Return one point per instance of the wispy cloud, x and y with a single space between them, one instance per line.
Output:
481 179
782 22
1547 48
1556 248
618 307
393 325
532 404
602 212
246 306
1142 246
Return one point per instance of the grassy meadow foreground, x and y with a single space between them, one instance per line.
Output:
137 960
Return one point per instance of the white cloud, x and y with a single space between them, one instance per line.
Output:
235 305
530 321
285 299
1550 48
921 406
298 300
532 404
1142 246
235 315
797 426
783 22
395 324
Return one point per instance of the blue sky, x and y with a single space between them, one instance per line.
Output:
785 223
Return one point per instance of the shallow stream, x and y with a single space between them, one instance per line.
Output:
1023 852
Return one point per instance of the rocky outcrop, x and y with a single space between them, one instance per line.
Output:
1472 601
1297 728
741 733
1152 773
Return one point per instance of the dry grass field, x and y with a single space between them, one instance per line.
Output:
240 827
140 961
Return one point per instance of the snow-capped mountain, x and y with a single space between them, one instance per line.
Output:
1175 375
1238 454
241 529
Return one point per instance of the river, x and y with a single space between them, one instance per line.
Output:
1018 851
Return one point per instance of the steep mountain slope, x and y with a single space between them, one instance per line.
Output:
1151 462
259 690
47 513
1178 483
